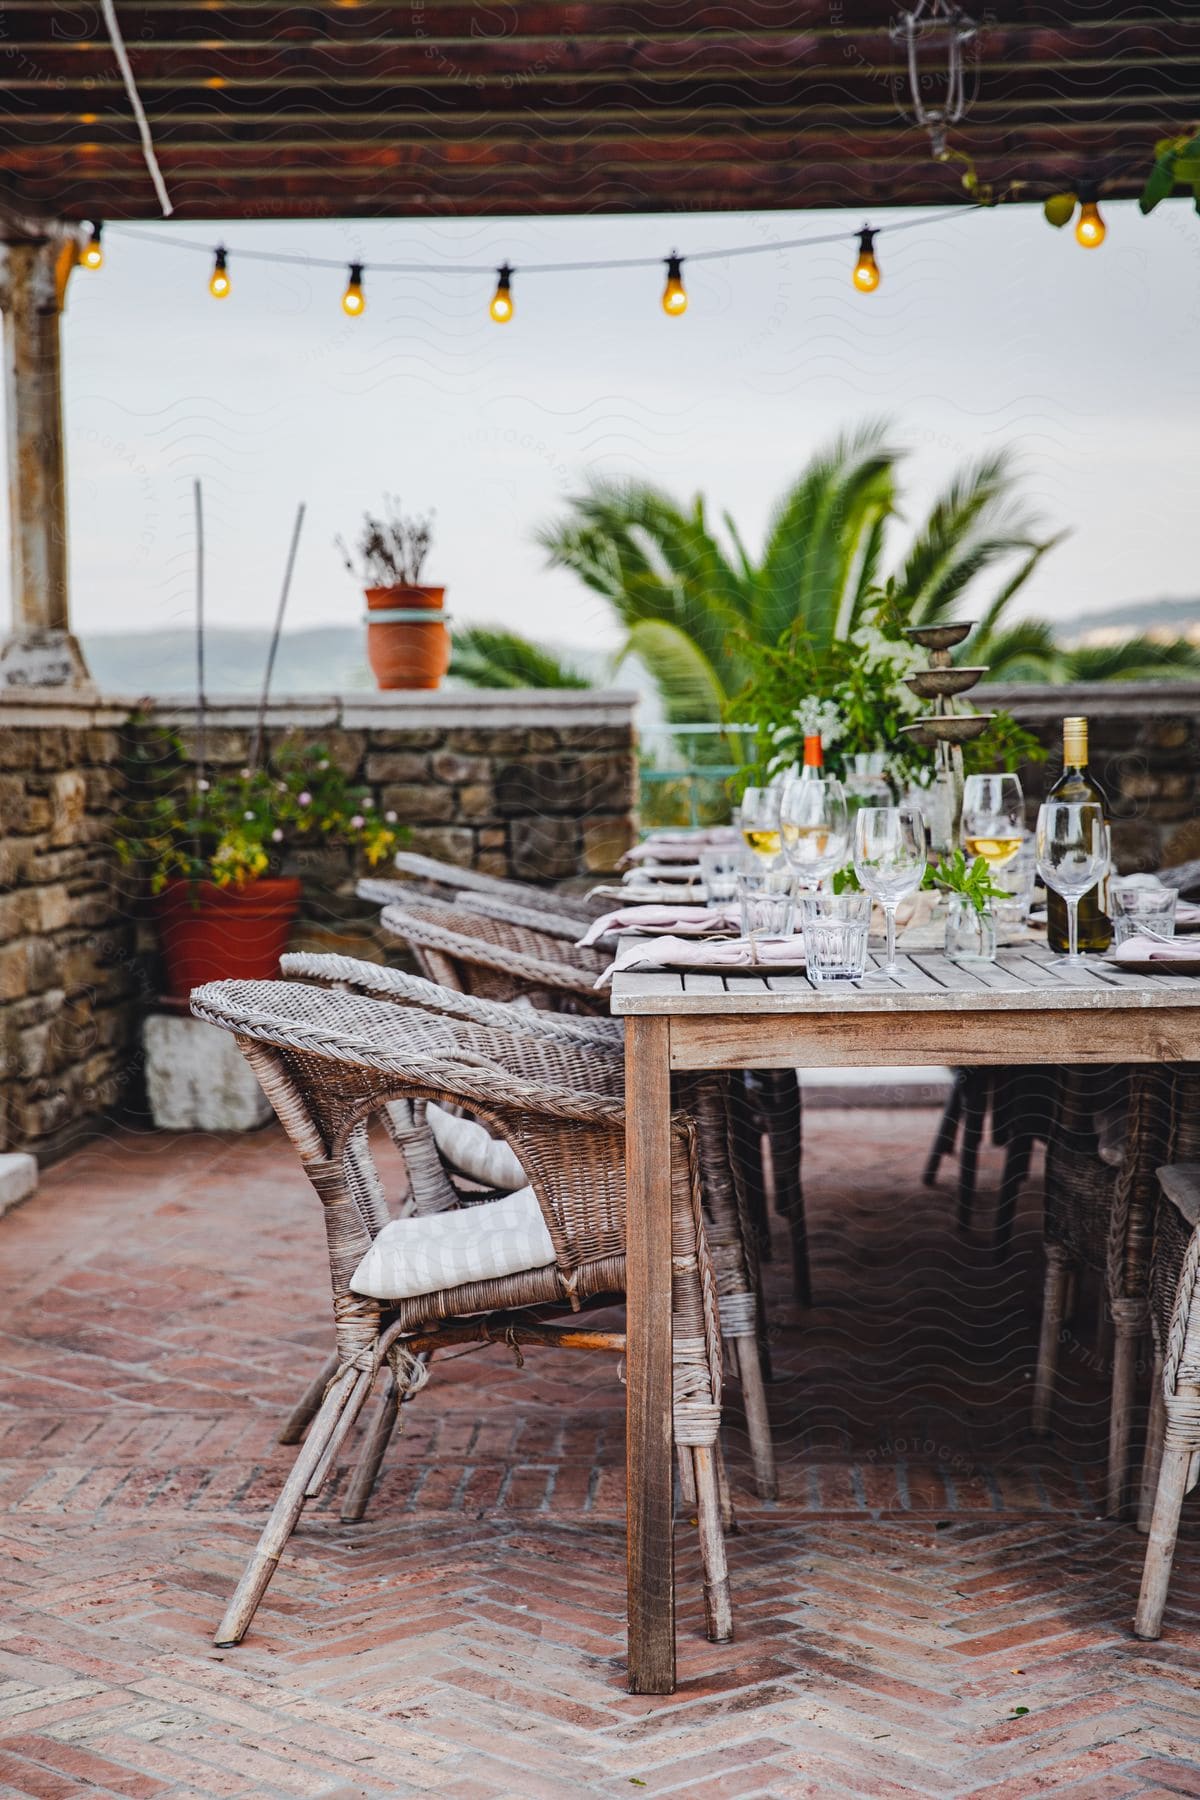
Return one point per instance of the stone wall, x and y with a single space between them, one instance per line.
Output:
1144 746
538 785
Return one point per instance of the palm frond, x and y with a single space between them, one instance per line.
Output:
689 686
1136 659
487 656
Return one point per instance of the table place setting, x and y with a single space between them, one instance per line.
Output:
643 921
711 956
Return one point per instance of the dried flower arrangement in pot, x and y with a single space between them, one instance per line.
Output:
408 644
211 849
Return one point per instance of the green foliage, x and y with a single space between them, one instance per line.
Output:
973 880
234 827
1027 651
1176 164
697 606
488 656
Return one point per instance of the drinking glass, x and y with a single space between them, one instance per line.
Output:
993 818
814 826
835 936
767 901
759 820
719 872
1139 910
1072 855
1017 879
889 860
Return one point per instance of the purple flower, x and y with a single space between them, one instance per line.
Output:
357 822
304 799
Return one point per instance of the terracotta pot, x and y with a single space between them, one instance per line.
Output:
406 651
211 933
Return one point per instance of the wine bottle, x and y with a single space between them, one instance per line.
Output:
1077 783
814 758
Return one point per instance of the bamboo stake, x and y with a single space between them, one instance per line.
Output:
256 753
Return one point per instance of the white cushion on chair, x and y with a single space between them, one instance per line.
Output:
470 1148
427 1252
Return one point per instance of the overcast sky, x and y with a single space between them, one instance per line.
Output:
988 329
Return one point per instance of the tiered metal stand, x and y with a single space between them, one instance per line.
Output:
945 729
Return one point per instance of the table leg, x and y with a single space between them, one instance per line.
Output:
648 1423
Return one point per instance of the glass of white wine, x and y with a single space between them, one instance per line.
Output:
993 818
814 826
760 820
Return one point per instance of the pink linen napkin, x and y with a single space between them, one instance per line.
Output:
715 954
690 921
1154 949
652 851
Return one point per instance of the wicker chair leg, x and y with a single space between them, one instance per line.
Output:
1160 1550
1130 1319
305 1409
974 1114
1016 1167
370 1457
747 1145
729 1522
781 1088
758 1422
1152 1455
687 1478
282 1522
947 1132
718 1608
1057 1270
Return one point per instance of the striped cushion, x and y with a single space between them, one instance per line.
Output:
469 1148
427 1252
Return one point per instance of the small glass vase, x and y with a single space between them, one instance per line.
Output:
970 934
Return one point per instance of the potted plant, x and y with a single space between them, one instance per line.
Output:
212 850
408 644
969 890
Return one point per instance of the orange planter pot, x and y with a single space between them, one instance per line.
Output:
408 644
211 933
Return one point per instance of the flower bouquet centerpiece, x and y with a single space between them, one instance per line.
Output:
212 846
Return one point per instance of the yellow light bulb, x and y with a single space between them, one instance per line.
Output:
1090 229
674 300
501 307
218 281
866 269
92 255
352 300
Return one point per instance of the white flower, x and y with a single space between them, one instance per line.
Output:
202 787
357 822
247 815
277 836
390 818
816 717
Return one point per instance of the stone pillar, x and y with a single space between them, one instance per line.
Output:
39 651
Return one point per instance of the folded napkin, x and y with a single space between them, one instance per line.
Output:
687 921
1187 913
1153 949
681 874
716 954
664 851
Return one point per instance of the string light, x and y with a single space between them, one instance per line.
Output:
92 254
1090 229
674 300
218 281
501 307
866 269
352 300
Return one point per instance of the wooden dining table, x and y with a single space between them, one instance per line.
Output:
1028 1007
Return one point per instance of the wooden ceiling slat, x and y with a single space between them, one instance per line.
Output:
606 105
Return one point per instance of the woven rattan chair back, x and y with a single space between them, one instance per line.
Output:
447 878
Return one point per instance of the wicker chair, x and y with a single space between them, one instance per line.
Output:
448 878
1020 1102
1099 1211
329 1063
1173 1447
592 1061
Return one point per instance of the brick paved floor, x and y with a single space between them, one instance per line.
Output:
932 1608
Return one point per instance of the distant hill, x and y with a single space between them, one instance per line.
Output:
328 660
1179 617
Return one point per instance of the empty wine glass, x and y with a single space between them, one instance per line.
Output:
889 860
993 818
759 820
1072 855
814 826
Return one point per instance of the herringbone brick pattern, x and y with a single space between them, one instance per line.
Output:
932 1608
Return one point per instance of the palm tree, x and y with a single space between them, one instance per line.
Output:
688 598
1028 651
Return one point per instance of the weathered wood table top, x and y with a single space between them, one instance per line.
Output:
1027 1007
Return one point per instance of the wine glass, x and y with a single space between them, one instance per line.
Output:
993 818
889 860
814 826
759 820
1072 855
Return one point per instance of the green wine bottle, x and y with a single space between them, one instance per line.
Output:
1077 783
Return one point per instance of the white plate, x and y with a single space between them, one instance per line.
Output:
1158 965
